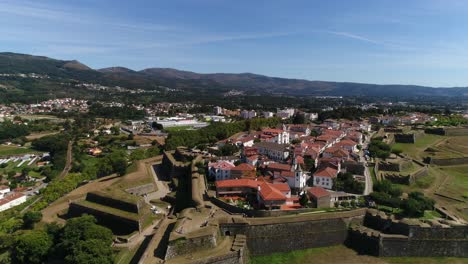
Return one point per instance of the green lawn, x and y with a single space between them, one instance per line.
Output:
422 143
14 150
428 215
177 128
458 184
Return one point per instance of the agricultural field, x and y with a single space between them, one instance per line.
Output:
342 254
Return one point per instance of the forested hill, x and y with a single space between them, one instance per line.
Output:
63 75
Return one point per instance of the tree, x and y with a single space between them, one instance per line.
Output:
299 118
31 247
115 130
228 149
416 204
295 141
155 125
30 218
82 240
304 199
92 251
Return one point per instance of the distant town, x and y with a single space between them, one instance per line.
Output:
220 180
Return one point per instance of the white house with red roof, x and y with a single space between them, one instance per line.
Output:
12 200
348 145
220 170
324 176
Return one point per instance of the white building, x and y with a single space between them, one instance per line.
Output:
218 110
268 114
285 113
220 170
4 190
246 114
324 177
274 151
11 200
311 116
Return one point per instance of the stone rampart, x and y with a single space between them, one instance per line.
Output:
448 162
448 131
389 166
118 224
189 244
403 238
142 189
283 234
99 198
393 130
172 167
405 138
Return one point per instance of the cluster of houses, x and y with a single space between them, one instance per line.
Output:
274 165
409 119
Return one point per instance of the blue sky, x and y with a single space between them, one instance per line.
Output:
376 41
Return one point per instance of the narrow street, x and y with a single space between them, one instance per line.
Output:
369 184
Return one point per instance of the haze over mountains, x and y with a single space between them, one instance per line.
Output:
259 84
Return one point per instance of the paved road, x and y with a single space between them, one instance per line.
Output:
369 184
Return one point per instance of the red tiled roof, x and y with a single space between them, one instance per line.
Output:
245 183
269 193
287 207
279 166
318 192
243 167
327 172
282 187
4 187
10 198
347 142
299 160
287 174
224 165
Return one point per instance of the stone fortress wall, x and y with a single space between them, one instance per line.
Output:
383 236
283 234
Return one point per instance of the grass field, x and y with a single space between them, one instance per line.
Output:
416 150
458 184
450 147
342 254
177 128
15 150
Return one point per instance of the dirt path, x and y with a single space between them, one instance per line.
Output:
39 135
67 167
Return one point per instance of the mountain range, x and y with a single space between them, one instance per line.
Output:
151 78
